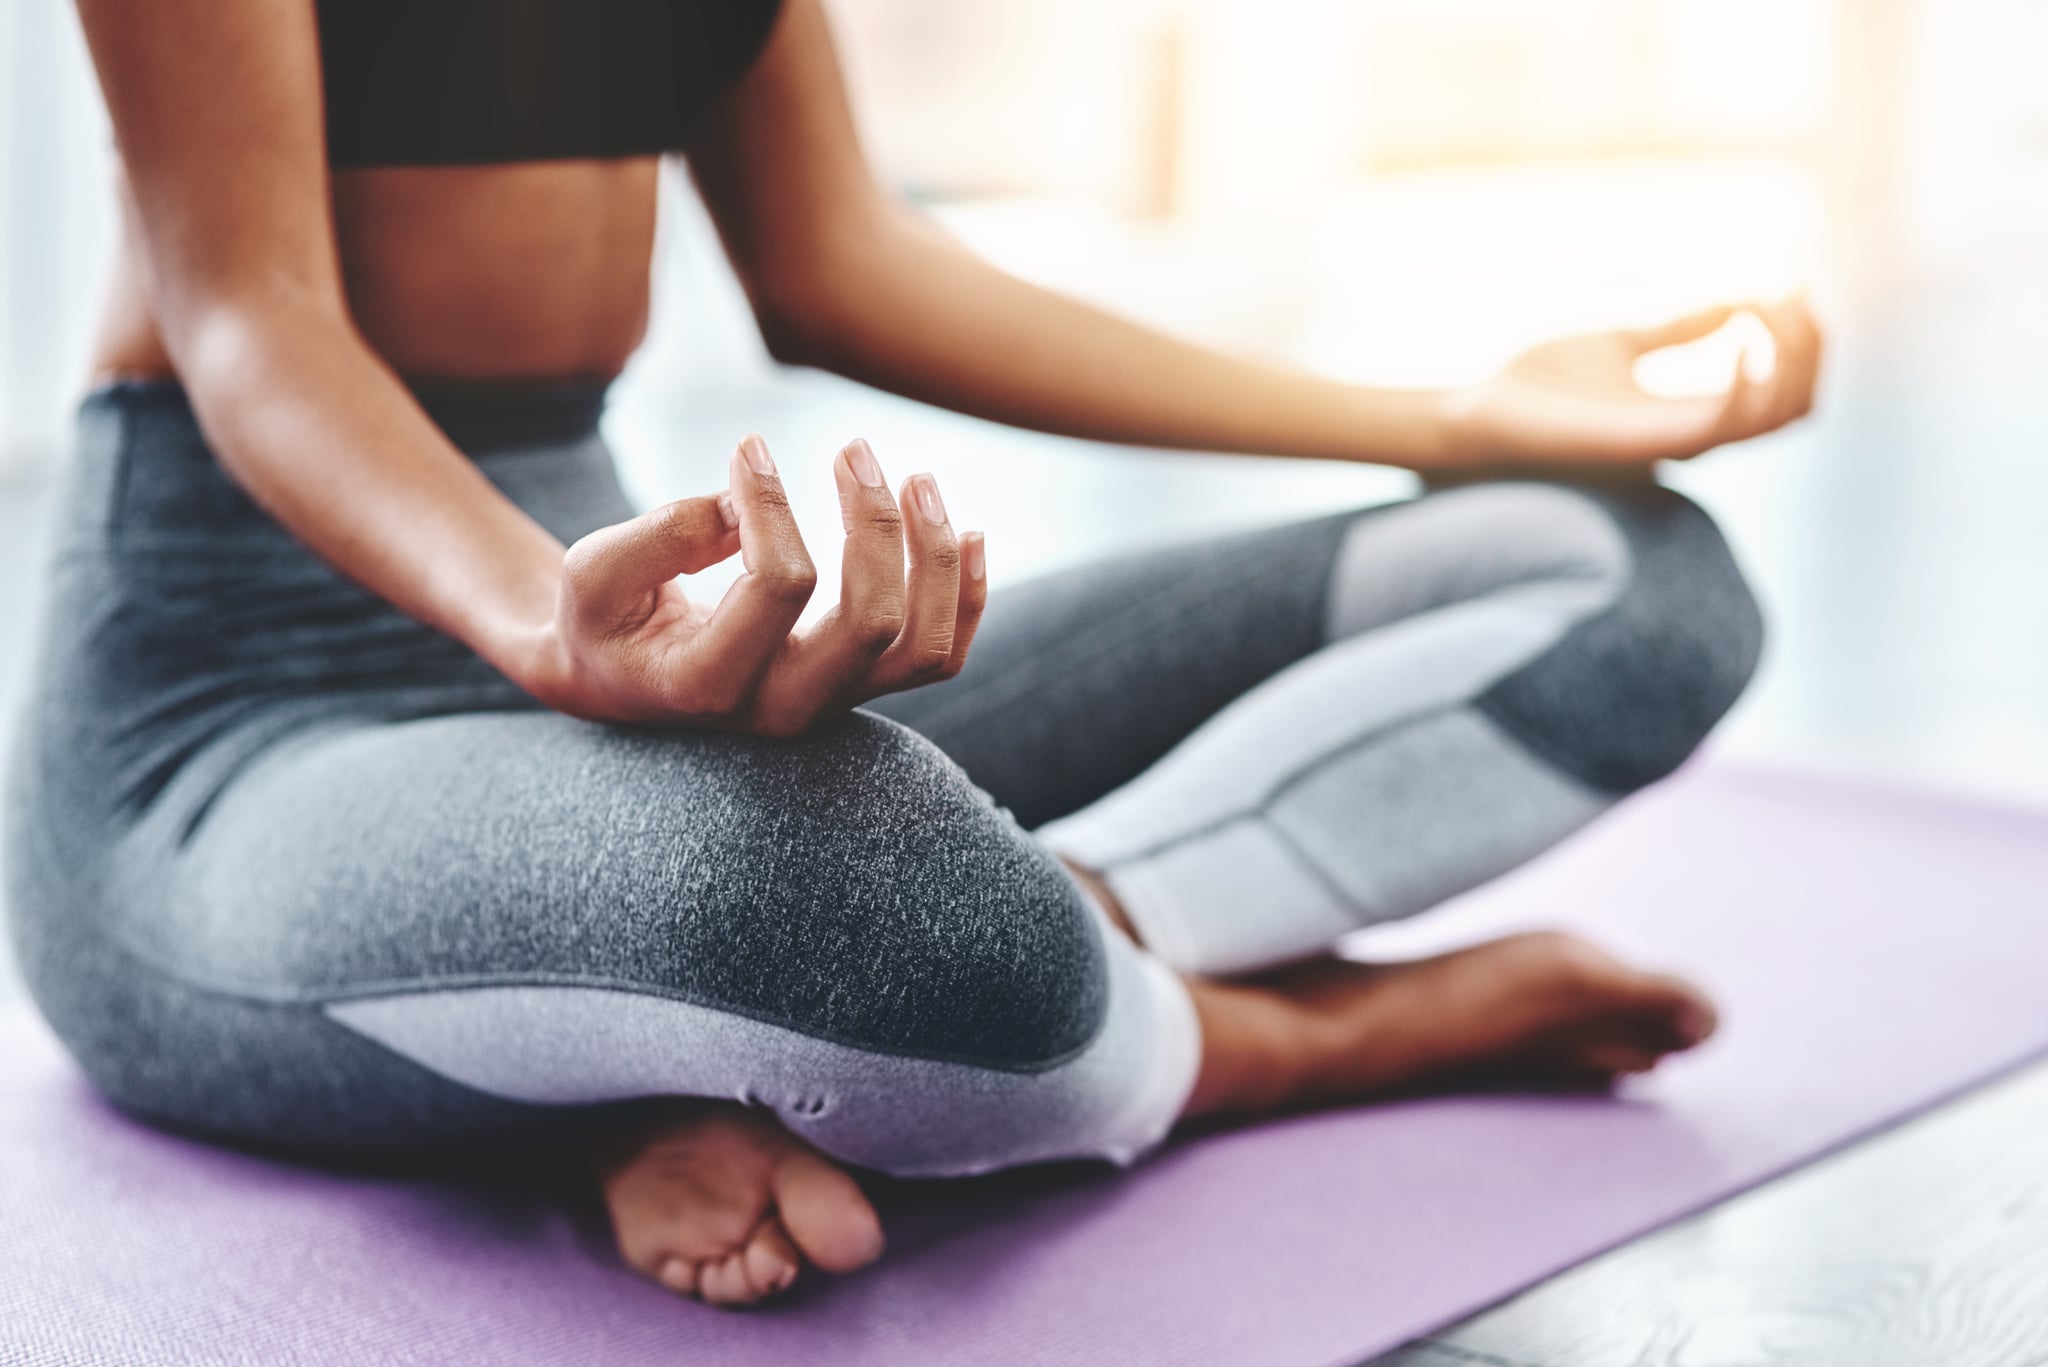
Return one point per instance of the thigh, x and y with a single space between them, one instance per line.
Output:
1082 680
496 899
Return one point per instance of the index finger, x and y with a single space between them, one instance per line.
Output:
611 573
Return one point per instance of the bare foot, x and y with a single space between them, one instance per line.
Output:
1542 1008
725 1204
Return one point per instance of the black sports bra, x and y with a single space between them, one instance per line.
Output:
424 82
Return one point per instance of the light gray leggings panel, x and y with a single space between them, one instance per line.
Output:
1505 662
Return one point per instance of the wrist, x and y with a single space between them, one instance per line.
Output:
1455 446
1417 429
535 656
519 632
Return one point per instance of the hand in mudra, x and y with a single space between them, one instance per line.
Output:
628 644
1575 402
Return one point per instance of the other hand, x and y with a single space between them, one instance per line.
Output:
628 644
1575 402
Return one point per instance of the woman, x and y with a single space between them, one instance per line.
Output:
384 793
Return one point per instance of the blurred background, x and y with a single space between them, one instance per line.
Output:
1404 191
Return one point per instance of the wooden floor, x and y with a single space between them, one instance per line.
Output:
1926 1246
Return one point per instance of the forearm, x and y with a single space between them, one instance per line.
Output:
319 432
216 112
901 306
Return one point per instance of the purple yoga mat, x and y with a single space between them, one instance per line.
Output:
1874 952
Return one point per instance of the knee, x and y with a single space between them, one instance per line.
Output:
910 915
1630 690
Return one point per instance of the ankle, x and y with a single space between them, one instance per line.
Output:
1097 890
1258 1054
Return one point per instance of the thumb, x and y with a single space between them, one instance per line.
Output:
609 574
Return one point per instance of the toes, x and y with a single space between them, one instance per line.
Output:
1696 1020
678 1275
771 1259
825 1212
659 1213
1620 1060
766 1264
651 1239
1674 1014
1570 962
1584 1080
724 1282
727 1206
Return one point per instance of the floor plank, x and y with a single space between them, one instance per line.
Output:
1923 1247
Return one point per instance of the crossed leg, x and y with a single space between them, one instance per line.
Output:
720 1201
1506 662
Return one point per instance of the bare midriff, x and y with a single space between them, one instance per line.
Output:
538 270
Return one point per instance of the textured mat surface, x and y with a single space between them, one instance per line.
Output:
1874 952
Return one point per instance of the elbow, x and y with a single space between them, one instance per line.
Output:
223 343
795 319
816 296
235 355
787 333
216 345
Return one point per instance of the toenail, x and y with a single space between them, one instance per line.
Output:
674 1274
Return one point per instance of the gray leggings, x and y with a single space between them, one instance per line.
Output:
291 869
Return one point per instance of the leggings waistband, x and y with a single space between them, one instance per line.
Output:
475 415
141 463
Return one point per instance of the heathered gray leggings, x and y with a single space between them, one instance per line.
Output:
288 868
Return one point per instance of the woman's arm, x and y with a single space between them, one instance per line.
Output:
216 110
843 276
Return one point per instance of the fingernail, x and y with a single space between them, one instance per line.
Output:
756 452
728 514
861 457
972 559
928 500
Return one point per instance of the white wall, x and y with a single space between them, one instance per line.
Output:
56 226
